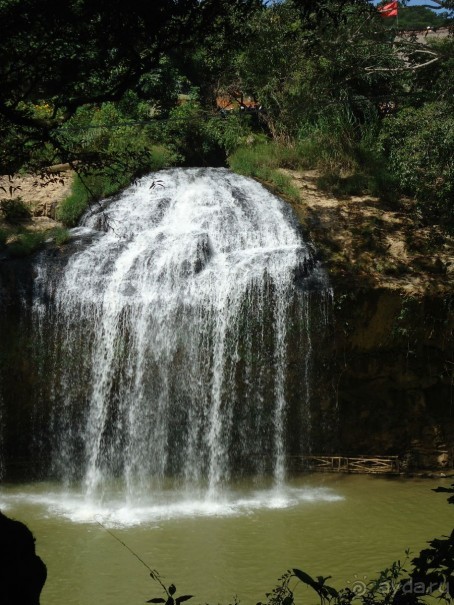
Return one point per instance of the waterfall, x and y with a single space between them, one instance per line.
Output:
170 331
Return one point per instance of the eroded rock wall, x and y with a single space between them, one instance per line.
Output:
393 374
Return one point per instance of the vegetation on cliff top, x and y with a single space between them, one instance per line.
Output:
257 85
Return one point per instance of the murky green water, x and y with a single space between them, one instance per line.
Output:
239 544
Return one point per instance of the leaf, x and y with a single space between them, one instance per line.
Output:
331 591
184 597
304 577
157 600
172 589
288 600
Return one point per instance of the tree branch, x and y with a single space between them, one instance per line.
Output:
21 119
406 68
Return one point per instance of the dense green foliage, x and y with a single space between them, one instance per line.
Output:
420 145
72 54
338 91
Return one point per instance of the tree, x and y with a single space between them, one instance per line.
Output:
304 64
64 55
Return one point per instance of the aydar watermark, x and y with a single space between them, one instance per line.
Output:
362 586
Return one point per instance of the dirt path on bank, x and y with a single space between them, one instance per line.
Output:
364 238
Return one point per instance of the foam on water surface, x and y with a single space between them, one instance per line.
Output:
49 500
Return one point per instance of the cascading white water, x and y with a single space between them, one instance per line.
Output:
170 334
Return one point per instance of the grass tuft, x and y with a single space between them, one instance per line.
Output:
262 162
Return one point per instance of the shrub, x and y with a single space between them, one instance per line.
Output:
419 143
231 130
26 243
160 157
14 210
186 134
71 209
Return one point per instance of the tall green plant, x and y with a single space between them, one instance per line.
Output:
419 143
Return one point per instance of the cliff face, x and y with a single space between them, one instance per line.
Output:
391 352
394 374
384 371
24 380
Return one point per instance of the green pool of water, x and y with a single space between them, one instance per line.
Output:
235 544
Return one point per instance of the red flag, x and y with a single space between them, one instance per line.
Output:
388 10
